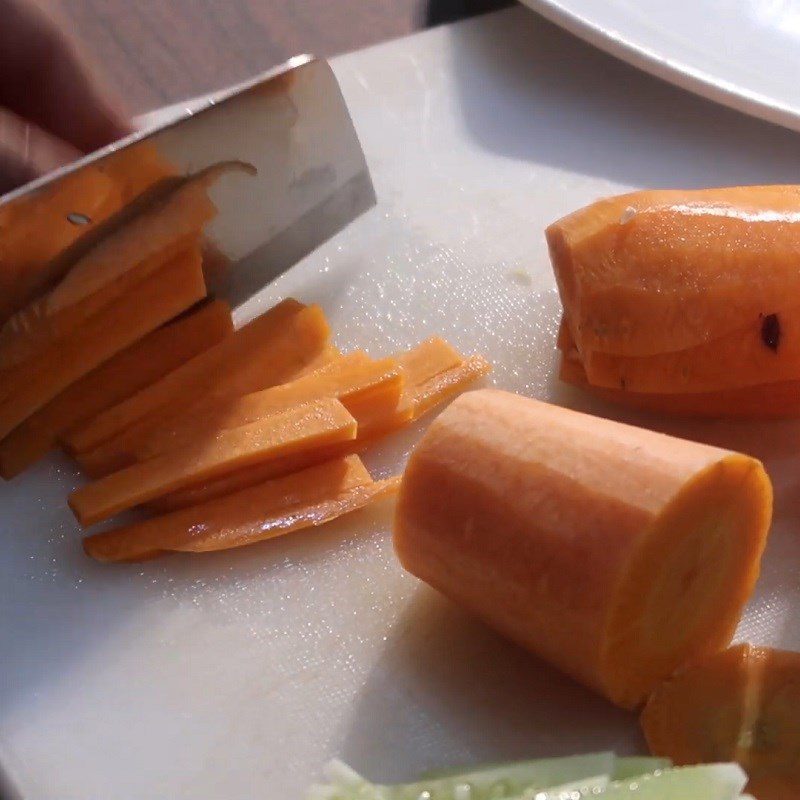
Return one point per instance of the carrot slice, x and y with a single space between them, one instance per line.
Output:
299 429
273 508
661 271
356 381
739 705
428 383
767 351
268 351
770 401
157 299
123 375
493 512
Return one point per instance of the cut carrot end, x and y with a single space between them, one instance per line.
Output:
739 705
687 583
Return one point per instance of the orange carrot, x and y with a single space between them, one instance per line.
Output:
770 401
267 351
374 421
273 508
739 705
126 373
615 553
157 299
661 271
299 429
356 381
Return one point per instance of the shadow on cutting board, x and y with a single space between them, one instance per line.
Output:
449 691
527 91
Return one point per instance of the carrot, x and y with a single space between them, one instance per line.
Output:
126 373
268 351
739 705
428 383
123 256
157 299
765 352
273 508
769 401
299 429
356 381
661 271
615 553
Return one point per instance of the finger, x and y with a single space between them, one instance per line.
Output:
45 81
27 152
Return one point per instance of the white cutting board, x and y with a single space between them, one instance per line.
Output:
234 676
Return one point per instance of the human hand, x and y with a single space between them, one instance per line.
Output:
51 107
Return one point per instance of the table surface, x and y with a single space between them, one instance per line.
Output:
154 52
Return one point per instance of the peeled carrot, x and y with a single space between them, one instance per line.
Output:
429 382
769 401
299 429
661 271
269 350
615 553
767 351
355 380
739 705
123 375
157 299
273 508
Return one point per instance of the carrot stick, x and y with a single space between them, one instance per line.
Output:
123 375
739 705
615 553
299 429
273 508
267 351
356 381
157 299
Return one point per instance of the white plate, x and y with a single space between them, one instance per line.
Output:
236 675
742 53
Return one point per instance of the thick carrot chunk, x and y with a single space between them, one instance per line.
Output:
299 429
273 508
149 304
739 705
615 553
126 373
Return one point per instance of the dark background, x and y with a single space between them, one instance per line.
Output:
153 52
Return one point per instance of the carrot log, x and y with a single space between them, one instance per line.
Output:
661 271
299 429
157 299
123 375
739 705
268 351
273 508
615 553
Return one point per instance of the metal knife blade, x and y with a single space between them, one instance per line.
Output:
291 124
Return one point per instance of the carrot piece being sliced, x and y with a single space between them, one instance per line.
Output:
296 430
739 705
148 305
268 351
356 381
769 401
427 359
302 500
106 272
126 373
506 500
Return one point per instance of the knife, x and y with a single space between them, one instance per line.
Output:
307 179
